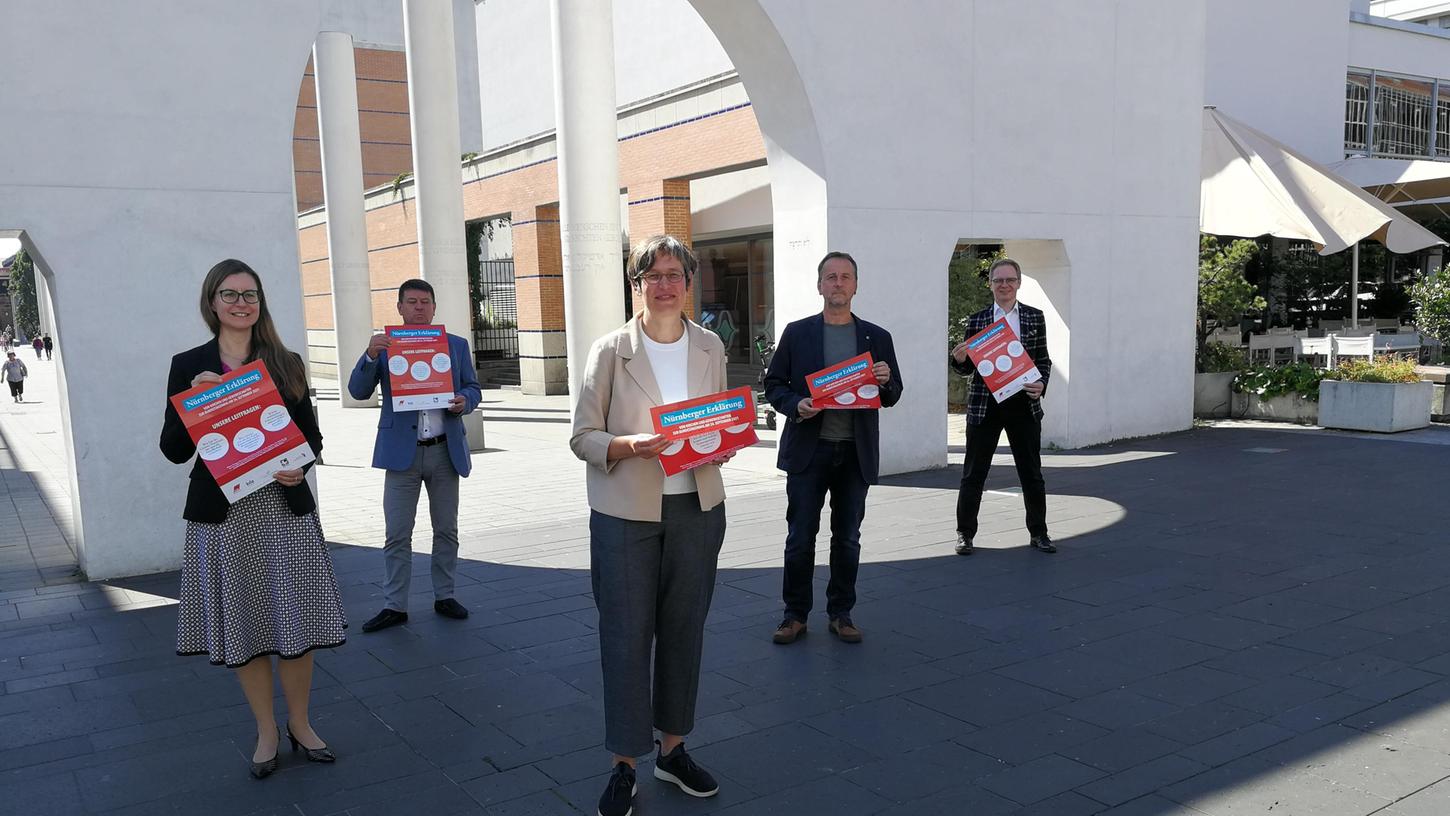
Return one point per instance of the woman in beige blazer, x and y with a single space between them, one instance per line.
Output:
654 541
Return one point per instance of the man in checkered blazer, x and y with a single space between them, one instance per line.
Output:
1020 414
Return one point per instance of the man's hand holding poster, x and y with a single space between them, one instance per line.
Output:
848 384
420 371
242 430
705 428
1000 359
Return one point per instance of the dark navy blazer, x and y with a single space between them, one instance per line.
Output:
397 440
801 352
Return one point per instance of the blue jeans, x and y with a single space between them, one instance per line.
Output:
833 469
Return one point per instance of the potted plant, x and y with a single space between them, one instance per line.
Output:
1384 395
1285 393
1217 365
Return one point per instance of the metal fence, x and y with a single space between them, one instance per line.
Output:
497 337
1396 116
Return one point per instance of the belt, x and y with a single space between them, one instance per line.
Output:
423 443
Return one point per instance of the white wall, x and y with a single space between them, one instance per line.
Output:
733 202
1280 67
1416 50
659 45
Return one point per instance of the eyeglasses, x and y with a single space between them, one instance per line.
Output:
1011 281
656 278
232 295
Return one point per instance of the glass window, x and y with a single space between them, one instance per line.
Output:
1401 116
1356 110
736 299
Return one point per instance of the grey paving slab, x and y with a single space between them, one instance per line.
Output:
1212 639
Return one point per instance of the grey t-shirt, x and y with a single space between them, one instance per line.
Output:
840 344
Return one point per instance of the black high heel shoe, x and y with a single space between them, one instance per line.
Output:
264 769
323 754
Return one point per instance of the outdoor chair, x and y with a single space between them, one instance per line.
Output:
1315 351
1348 347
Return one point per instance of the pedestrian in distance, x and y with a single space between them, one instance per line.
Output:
48 344
15 374
38 345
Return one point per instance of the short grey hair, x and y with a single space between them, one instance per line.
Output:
1004 262
647 252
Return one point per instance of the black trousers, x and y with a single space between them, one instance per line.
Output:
1024 434
17 387
834 469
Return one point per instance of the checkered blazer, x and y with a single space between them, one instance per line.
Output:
1034 339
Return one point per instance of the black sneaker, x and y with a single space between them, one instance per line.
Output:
618 797
679 768
964 544
384 619
1042 543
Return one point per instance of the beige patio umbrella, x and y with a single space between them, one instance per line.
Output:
1397 181
1254 185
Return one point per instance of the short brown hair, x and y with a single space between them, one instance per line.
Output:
646 252
831 256
1003 262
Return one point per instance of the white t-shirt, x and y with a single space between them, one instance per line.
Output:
670 363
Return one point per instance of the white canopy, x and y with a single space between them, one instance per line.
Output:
1254 185
1397 181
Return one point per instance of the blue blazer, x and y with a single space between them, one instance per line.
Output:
801 352
397 440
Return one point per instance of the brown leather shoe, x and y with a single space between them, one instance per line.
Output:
844 629
789 630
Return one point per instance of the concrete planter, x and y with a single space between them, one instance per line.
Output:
1381 407
1213 394
1288 408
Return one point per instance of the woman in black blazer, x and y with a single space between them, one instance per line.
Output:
257 578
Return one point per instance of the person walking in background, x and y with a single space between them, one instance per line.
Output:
256 577
1020 414
654 541
418 449
48 344
15 374
38 345
827 451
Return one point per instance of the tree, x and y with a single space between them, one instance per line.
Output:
1431 296
1224 295
967 290
22 293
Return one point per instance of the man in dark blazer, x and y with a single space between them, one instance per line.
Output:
418 449
821 451
1020 414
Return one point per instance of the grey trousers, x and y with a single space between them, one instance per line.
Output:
431 467
653 582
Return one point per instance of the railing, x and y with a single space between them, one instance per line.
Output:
1395 115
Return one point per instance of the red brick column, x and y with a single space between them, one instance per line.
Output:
539 290
661 207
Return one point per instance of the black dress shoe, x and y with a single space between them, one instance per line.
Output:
264 769
450 608
384 619
964 545
323 754
1042 543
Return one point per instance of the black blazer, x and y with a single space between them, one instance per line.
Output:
204 500
801 352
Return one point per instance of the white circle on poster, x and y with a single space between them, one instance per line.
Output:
984 368
248 440
398 366
1014 348
673 448
421 371
845 398
868 391
706 443
441 362
275 417
739 429
1003 362
212 447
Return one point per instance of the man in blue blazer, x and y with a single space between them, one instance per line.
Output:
418 449
834 451
1020 414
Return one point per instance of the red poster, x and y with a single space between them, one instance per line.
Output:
1000 360
848 384
242 430
420 374
703 428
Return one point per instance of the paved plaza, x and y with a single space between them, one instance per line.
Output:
1241 620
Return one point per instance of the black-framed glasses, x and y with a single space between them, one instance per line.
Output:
656 278
1013 281
232 295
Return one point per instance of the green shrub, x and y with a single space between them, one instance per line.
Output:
1269 382
1220 357
1431 296
1383 370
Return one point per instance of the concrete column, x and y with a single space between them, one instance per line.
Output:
660 208
342 191
585 119
438 179
539 288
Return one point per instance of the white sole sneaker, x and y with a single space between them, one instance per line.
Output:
633 793
666 776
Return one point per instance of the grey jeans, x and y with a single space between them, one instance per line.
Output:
653 582
431 467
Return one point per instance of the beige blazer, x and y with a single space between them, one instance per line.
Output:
614 399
